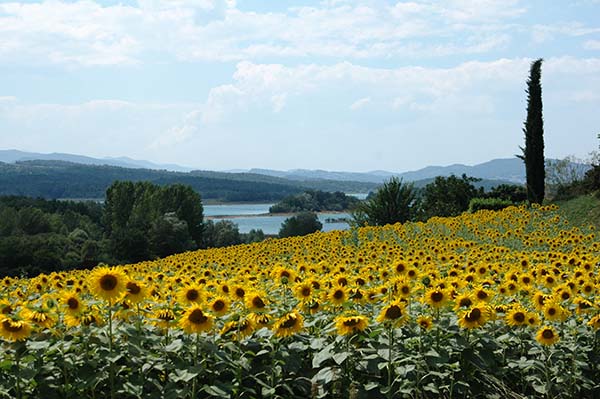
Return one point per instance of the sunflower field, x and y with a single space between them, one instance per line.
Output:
492 304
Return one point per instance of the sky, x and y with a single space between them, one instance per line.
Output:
330 84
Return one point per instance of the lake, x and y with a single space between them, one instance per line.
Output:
252 216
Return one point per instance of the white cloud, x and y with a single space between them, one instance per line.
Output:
358 104
592 45
85 33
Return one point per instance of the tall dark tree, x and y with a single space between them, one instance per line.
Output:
533 153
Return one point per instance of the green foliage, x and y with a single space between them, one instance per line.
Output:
509 192
300 224
533 152
315 201
394 202
221 234
58 179
254 235
448 196
144 220
493 204
42 236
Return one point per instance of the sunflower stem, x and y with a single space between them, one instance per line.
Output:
111 371
194 382
18 376
390 392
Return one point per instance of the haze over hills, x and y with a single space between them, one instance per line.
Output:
507 169
493 172
12 156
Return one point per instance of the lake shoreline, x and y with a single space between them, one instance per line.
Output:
258 215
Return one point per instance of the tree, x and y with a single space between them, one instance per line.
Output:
533 153
301 224
394 202
221 234
448 196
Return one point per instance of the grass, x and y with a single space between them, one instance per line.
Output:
582 211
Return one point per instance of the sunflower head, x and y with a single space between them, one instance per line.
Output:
288 324
393 313
476 316
108 283
347 325
195 320
13 329
547 336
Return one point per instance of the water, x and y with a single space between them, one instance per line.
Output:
245 216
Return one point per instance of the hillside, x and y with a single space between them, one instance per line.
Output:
60 179
582 211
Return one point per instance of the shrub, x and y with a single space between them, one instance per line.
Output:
493 204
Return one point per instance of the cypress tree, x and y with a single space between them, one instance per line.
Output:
533 153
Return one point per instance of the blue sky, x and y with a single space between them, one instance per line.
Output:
333 84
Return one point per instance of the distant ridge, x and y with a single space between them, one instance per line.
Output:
506 170
12 156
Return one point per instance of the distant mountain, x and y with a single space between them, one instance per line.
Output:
12 156
506 170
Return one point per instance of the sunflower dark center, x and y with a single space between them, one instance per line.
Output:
218 305
108 282
239 292
437 296
10 326
473 315
547 334
197 317
351 322
7 309
73 303
305 291
338 294
465 302
133 288
552 311
482 295
289 323
400 268
519 317
257 302
192 294
405 290
393 312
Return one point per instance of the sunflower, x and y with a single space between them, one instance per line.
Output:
538 300
474 317
595 322
288 324
136 291
39 315
482 294
463 301
219 306
108 283
6 307
533 319
547 336
436 297
194 320
86 317
554 312
163 317
393 313
12 329
190 295
337 296
583 305
237 329
304 292
71 302
259 320
347 325
424 322
403 287
255 301
517 316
